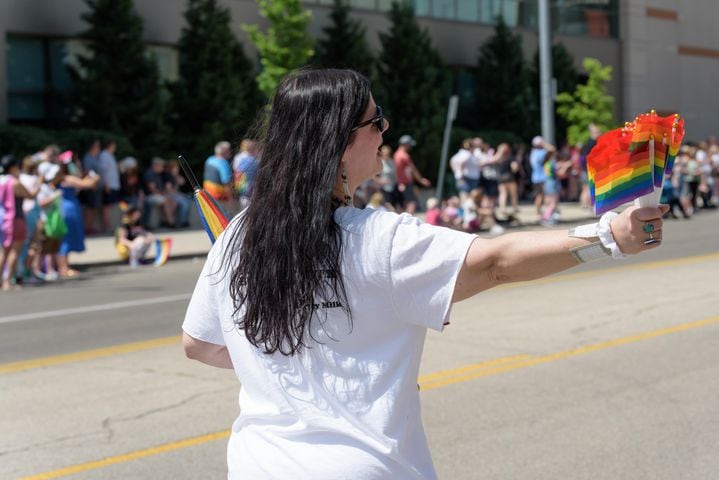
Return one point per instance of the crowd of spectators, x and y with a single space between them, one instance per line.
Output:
51 199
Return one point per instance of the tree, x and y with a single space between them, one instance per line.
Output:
565 74
344 44
216 97
285 46
117 86
588 103
503 89
414 86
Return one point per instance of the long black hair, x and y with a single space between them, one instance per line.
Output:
286 251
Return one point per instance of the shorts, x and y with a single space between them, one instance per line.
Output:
393 197
537 189
490 187
466 184
111 198
409 195
551 187
13 232
51 246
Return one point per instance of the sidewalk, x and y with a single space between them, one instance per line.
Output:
195 243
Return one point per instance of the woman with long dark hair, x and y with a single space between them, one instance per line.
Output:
322 309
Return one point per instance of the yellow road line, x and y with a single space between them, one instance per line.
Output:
88 354
471 367
161 342
106 462
448 377
427 382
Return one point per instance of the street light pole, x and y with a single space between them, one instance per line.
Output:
545 72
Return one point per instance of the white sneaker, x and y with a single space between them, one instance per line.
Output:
496 230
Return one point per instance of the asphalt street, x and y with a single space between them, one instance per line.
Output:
604 371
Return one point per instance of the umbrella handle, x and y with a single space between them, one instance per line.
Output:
188 173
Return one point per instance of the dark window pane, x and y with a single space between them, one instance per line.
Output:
59 57
25 65
25 106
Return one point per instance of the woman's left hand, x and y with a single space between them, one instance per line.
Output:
634 226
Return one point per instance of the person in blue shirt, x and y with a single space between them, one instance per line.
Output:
217 177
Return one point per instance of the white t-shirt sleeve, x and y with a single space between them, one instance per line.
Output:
202 320
424 263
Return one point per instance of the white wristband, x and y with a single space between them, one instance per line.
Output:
604 247
604 232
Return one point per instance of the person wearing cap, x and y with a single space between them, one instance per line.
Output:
13 227
407 174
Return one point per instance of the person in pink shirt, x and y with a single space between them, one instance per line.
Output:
13 227
407 174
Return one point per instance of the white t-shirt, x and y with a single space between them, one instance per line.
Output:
348 407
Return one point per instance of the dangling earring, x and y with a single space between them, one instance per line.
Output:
346 187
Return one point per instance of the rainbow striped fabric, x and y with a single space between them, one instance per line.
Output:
213 217
630 162
162 251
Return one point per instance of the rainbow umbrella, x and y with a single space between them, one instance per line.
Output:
212 215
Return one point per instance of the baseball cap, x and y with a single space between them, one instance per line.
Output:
537 141
407 140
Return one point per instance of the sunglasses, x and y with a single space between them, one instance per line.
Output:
378 121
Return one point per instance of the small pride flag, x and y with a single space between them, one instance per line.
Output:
162 251
629 163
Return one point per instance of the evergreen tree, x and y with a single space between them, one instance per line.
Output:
117 86
344 44
588 103
414 87
286 45
216 97
565 74
503 95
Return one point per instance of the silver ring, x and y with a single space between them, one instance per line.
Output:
651 240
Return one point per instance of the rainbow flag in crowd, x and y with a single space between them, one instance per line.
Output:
162 251
629 163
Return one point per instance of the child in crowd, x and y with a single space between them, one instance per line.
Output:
433 216
132 240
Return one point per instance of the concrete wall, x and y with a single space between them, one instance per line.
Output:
457 42
671 61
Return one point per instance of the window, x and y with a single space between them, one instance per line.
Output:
39 83
443 9
468 10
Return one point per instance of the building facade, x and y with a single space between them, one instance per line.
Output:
663 52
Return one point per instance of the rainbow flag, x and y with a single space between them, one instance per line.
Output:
630 162
162 251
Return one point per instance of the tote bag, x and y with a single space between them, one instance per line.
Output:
55 226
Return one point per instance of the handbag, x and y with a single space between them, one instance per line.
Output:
55 226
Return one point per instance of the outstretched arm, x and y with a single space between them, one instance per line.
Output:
530 255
